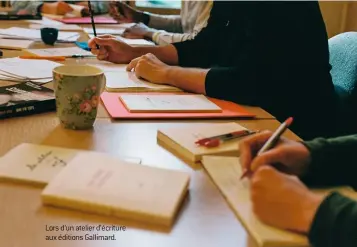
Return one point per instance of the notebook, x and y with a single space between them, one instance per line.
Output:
118 188
225 173
65 52
15 44
168 103
117 110
181 141
119 80
39 164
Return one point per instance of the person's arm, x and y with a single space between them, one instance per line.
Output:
31 7
335 223
169 23
164 37
332 161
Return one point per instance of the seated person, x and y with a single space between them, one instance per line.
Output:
163 29
57 7
254 53
282 200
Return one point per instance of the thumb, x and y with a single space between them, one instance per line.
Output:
272 156
133 64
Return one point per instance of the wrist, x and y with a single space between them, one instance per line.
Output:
311 205
149 35
169 75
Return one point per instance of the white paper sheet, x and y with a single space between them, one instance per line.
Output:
168 103
26 33
22 69
67 51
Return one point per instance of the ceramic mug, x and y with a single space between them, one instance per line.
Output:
77 90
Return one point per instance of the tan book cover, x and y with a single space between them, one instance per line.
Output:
38 164
117 188
181 141
225 173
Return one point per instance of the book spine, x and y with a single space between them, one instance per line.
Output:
27 109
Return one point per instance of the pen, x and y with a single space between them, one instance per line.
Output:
272 141
92 21
215 141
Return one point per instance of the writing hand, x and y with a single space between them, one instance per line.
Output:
282 200
111 49
288 156
123 13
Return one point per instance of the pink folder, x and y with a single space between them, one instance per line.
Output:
117 110
87 20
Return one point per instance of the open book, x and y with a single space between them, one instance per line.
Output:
117 188
181 141
39 164
225 173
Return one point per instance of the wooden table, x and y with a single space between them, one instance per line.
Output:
205 218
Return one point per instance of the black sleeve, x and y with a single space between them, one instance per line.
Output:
196 52
335 223
333 162
281 48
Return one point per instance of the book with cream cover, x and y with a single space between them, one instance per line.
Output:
38 164
181 141
118 188
225 173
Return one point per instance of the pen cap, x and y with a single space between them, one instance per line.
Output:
49 35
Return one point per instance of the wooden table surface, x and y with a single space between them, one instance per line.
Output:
205 218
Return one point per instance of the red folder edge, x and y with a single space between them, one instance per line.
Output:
117 110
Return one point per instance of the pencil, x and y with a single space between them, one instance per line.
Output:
92 21
272 141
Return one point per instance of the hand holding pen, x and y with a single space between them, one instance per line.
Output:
265 149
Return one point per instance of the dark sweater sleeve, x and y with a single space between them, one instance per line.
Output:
333 162
280 48
196 52
335 223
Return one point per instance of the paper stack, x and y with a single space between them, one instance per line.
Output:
31 34
46 22
132 42
65 52
22 70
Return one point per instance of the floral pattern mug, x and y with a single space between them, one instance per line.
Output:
77 90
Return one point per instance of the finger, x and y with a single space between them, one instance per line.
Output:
133 64
250 145
276 155
104 40
103 56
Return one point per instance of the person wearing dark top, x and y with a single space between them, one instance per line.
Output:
268 54
280 198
